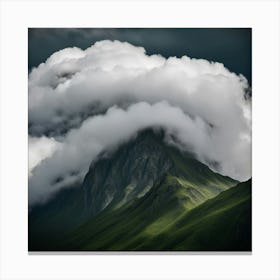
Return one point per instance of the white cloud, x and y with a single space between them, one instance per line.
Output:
200 101
40 148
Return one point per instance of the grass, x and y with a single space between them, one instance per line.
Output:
221 223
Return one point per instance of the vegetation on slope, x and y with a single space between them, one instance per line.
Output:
161 221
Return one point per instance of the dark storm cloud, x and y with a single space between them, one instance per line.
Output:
230 46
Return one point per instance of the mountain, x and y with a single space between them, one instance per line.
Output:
132 170
159 221
140 188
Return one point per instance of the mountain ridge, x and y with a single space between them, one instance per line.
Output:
138 164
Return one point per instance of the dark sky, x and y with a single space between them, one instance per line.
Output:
230 46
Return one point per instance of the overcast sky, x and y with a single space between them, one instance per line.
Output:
83 101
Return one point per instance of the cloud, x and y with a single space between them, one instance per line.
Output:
40 148
232 46
73 81
95 99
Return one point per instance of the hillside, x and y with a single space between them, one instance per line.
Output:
143 186
160 221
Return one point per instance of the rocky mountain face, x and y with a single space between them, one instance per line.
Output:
132 170
126 174
144 170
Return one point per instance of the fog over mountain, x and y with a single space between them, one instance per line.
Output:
83 102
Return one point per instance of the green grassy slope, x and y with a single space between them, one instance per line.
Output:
222 223
161 220
196 176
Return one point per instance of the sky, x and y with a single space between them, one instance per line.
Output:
91 90
230 46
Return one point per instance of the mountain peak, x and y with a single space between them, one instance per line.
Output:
126 173
135 167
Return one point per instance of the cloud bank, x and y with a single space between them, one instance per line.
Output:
87 101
